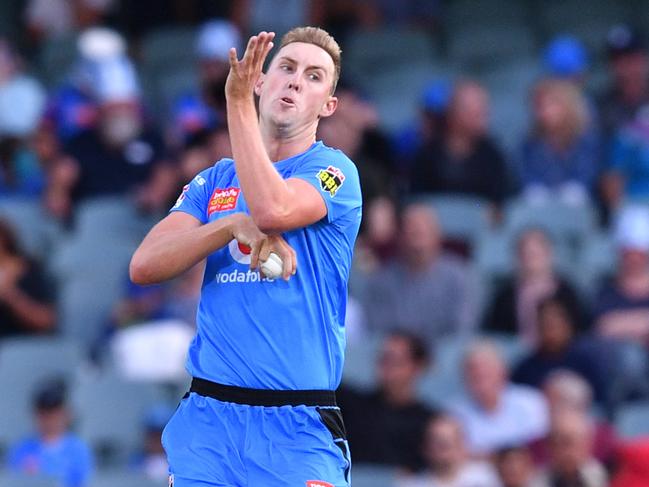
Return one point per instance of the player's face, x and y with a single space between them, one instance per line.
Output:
296 90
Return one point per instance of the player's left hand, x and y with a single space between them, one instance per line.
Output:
244 74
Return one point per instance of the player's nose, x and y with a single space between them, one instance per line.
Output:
294 83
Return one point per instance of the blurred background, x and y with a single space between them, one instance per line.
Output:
498 321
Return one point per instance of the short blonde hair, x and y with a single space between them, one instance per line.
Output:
570 96
318 37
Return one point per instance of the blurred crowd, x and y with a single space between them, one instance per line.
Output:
468 243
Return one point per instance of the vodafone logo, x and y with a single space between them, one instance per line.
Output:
239 252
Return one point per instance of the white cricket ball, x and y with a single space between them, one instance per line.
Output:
272 267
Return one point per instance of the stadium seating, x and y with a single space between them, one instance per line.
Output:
56 58
110 414
38 233
632 420
123 478
373 476
10 479
24 363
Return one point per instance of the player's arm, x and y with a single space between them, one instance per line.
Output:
275 204
180 241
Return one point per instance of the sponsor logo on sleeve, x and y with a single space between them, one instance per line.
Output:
181 198
331 179
318 483
223 200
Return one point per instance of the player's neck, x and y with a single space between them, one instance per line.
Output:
281 145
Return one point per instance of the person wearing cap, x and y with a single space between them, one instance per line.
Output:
622 306
213 43
53 451
629 87
121 155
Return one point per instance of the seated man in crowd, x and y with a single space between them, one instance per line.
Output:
571 463
496 413
515 466
53 451
385 426
424 290
447 461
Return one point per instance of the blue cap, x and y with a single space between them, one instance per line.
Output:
437 95
565 56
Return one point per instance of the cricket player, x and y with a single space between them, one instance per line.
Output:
268 354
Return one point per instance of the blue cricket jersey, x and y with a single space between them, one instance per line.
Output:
271 334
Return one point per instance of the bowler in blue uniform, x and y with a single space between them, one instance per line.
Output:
268 354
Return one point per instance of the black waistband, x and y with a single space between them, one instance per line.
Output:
262 397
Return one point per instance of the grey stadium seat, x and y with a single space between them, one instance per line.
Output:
11 479
110 413
24 363
632 420
373 476
123 478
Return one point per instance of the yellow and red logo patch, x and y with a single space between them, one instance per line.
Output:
331 179
223 200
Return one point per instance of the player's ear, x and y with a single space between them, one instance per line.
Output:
329 107
259 84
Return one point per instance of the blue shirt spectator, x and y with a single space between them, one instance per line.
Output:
53 450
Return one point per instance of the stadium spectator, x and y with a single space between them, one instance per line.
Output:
354 129
121 155
152 460
627 178
22 99
622 306
560 157
570 442
49 19
629 87
513 309
566 390
423 290
497 413
559 347
377 243
447 461
53 450
463 159
26 298
515 466
385 426
214 40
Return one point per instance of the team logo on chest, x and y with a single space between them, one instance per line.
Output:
223 200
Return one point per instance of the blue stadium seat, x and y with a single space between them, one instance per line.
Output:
24 363
110 414
632 420
373 476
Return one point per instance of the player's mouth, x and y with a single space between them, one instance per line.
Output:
287 101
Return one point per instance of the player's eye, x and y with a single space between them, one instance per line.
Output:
285 67
314 76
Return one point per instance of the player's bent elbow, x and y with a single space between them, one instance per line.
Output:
139 272
269 222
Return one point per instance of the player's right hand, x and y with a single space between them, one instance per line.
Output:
261 245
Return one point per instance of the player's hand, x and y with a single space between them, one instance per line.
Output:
244 74
245 232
